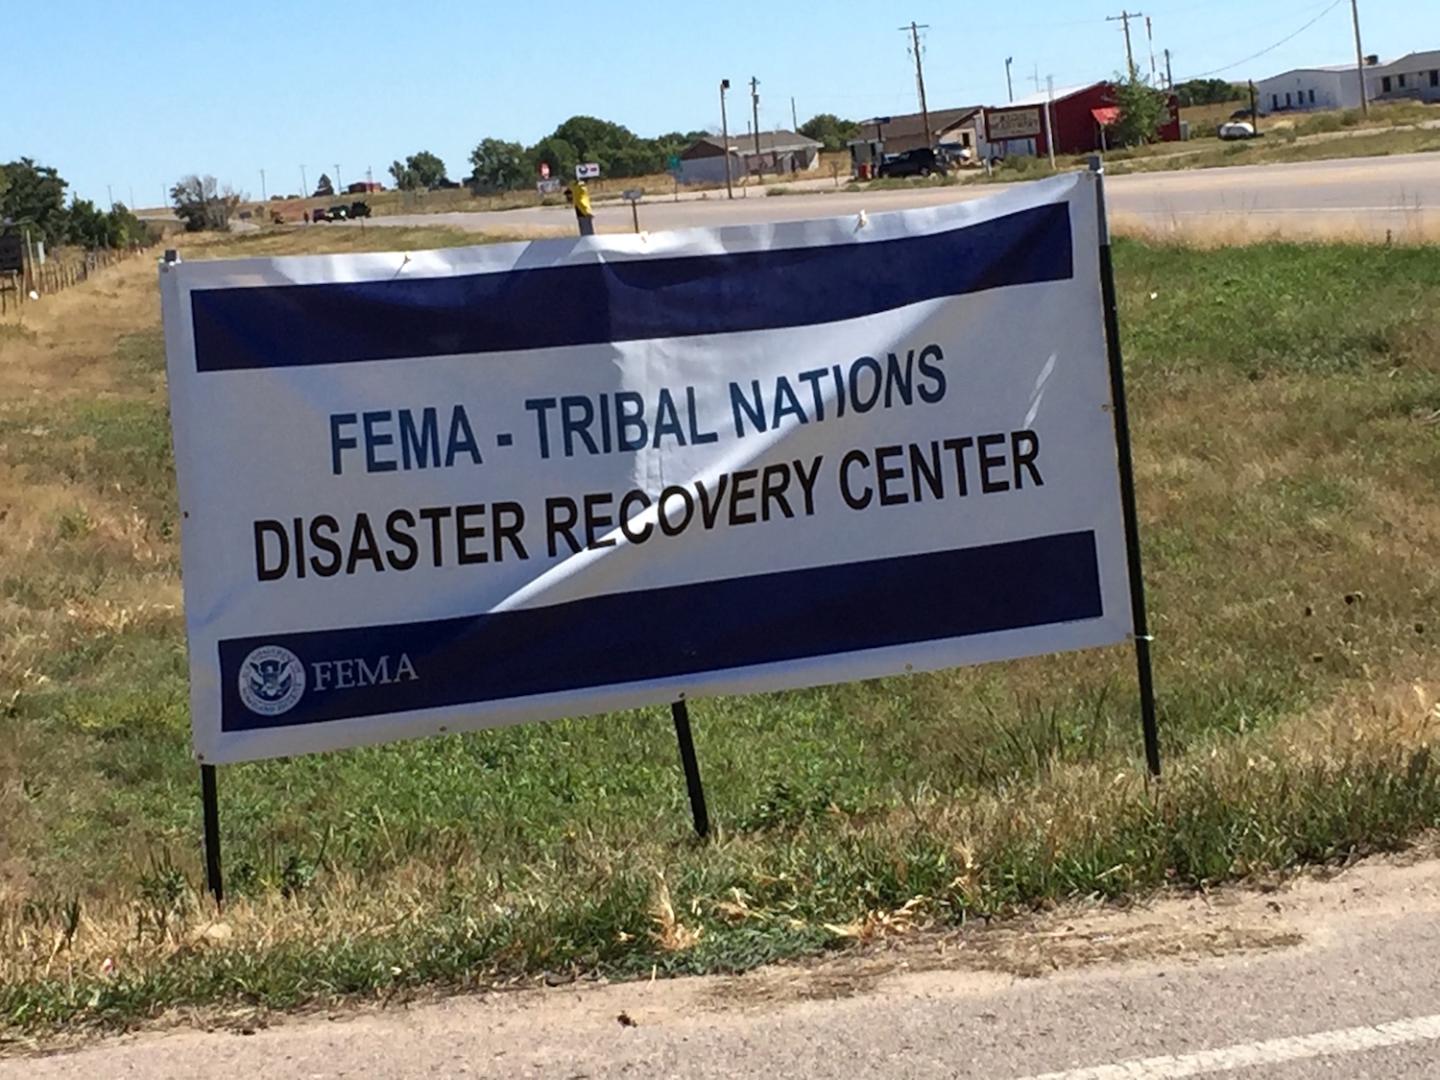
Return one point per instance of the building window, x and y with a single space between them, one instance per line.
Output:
1312 97
1274 102
1287 99
1435 78
1385 84
1402 82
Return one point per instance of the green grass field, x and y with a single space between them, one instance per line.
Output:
1287 408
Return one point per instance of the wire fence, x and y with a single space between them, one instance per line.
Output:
34 283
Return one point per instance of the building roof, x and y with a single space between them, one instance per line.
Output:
1380 66
1336 69
898 127
1406 58
776 142
1029 101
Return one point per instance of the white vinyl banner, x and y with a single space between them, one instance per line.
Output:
455 489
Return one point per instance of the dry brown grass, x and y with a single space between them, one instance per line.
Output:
1293 544
1230 229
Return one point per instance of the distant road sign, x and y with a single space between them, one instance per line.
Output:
672 163
588 171
12 254
549 187
632 195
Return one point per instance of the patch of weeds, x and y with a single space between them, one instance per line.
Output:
142 355
73 524
781 805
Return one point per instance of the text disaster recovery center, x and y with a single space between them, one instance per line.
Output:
440 437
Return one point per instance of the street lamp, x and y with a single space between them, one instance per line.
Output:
725 138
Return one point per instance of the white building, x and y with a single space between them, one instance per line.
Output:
1336 87
1415 77
780 153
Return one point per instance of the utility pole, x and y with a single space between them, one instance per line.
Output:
725 138
264 195
794 116
1169 79
1359 58
1049 130
914 32
304 186
111 196
1009 86
338 186
755 111
1150 41
1125 17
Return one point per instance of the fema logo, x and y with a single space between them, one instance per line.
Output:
272 680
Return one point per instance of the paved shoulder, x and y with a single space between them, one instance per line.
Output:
1320 978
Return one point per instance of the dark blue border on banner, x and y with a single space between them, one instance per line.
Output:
684 629
282 326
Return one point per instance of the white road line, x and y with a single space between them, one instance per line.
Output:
1269 1052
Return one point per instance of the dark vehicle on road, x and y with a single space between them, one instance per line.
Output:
359 209
319 214
918 162
338 213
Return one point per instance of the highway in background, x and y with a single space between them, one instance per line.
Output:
1351 197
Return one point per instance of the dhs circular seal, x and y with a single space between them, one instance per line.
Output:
272 680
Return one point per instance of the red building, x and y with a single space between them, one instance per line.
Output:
1079 117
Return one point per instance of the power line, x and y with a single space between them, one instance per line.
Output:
1268 49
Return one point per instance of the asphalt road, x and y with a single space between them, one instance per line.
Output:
1318 979
1360 196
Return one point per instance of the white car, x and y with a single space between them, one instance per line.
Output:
1237 129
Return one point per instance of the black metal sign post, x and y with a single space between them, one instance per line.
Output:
680 712
1127 478
213 879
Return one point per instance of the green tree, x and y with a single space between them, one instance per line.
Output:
1209 92
404 178
123 228
497 165
35 198
202 204
1143 109
324 187
830 130
86 226
617 149
425 170
555 152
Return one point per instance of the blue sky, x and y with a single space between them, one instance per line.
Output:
134 93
